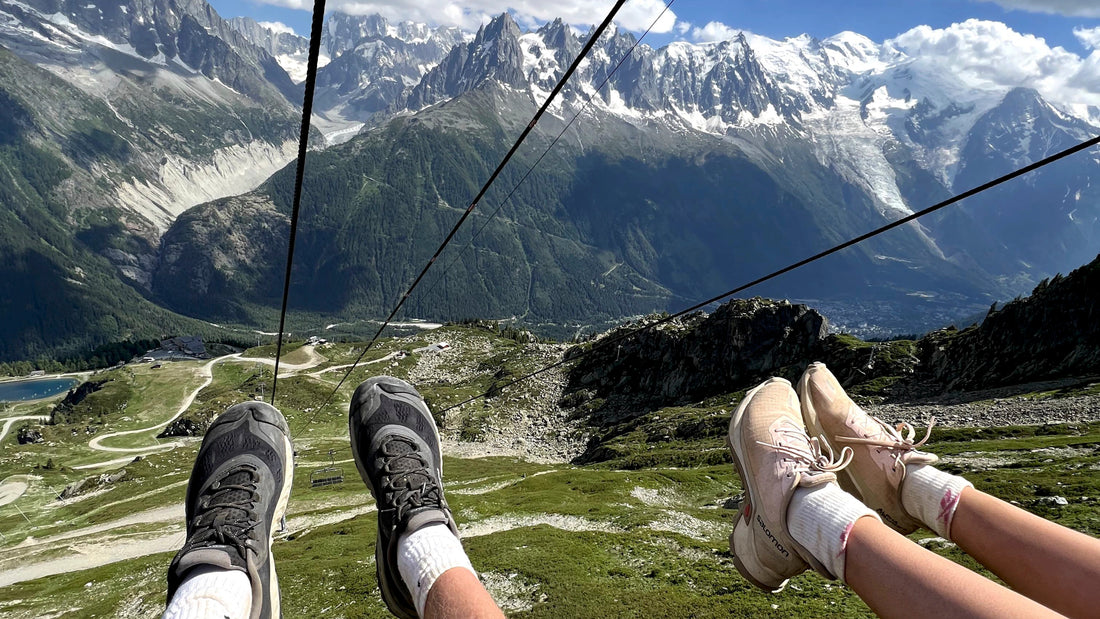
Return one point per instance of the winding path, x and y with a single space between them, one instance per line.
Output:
206 371
94 545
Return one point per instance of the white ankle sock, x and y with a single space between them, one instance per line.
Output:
211 592
931 496
423 556
821 519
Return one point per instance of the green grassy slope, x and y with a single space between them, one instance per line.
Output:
641 534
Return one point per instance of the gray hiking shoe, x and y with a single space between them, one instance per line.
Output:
397 451
239 488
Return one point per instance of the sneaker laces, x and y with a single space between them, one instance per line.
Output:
406 477
898 439
225 512
810 453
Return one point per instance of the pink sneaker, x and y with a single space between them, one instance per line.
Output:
774 456
877 471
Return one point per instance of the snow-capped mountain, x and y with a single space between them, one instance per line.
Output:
695 165
374 64
210 114
126 113
902 128
289 49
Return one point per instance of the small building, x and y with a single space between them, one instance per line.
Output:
37 373
188 345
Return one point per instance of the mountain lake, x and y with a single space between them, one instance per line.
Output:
34 388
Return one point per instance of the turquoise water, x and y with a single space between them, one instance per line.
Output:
34 388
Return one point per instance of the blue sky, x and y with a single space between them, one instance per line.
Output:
1053 20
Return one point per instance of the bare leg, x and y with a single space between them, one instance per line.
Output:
897 578
458 594
1047 562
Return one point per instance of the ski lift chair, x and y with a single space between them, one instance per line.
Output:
328 475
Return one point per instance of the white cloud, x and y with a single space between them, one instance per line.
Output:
1073 8
714 31
988 53
683 27
277 27
1089 37
635 15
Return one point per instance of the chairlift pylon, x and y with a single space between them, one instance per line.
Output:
329 475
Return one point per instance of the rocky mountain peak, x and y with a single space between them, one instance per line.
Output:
1022 128
157 31
376 63
558 34
343 32
495 53
274 41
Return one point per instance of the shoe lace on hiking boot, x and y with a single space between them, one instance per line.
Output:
809 454
406 478
226 513
897 439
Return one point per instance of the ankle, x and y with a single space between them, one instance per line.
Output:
821 518
210 591
931 496
424 555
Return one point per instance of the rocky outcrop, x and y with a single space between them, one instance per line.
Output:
185 426
63 411
91 484
28 435
1054 333
700 355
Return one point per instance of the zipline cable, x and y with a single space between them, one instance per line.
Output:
492 178
303 144
859 239
584 107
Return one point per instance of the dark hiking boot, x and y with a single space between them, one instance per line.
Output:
397 451
239 488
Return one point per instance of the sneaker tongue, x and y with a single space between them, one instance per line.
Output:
408 469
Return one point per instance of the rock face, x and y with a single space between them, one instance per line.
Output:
1051 334
493 54
703 355
159 30
375 63
63 411
184 426
28 435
